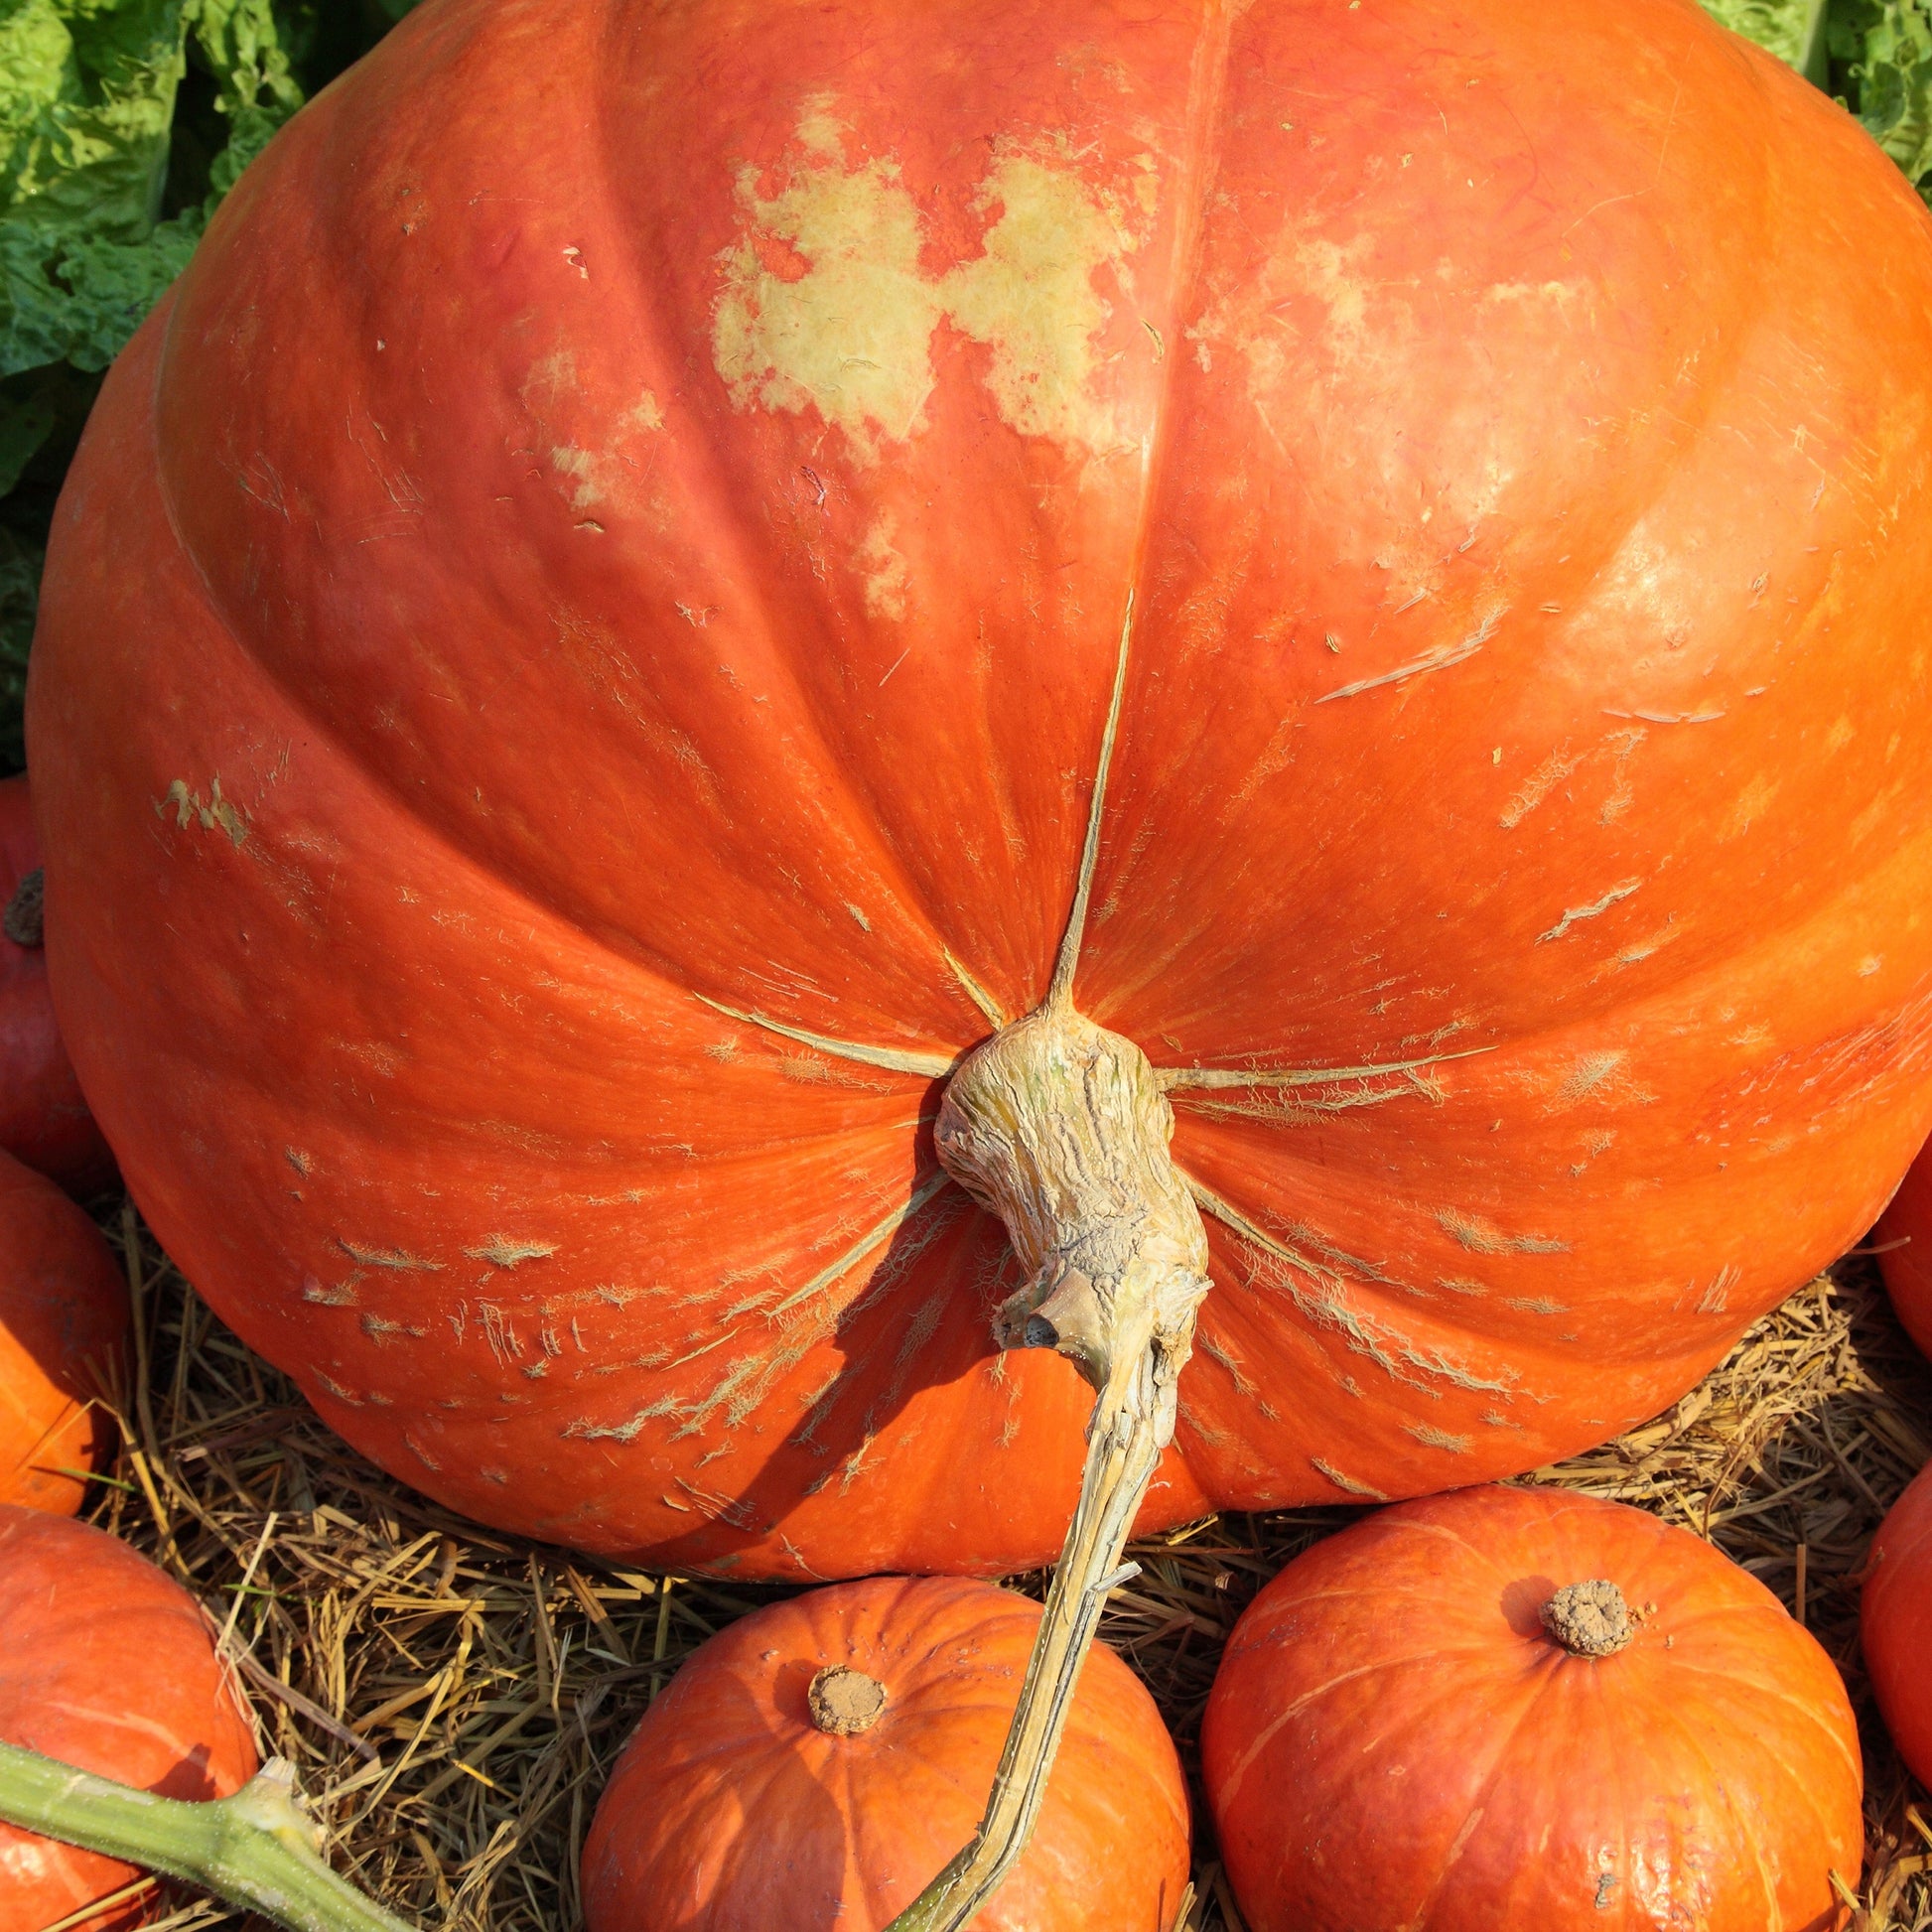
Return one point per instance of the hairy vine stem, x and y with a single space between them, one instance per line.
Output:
258 1848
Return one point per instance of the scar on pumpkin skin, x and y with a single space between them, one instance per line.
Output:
1284 1110
1360 1334
1346 1483
766 1371
885 1226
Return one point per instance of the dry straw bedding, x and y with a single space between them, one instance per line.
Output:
453 1699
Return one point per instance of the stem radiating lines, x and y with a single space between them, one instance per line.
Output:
932 1067
974 991
879 1232
1174 1077
1059 994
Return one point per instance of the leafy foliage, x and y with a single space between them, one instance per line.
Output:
1875 56
1885 51
122 125
1793 30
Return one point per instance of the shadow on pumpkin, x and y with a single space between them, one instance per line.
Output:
1521 1605
916 1318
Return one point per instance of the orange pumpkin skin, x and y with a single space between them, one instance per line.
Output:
1394 1739
732 1810
638 506
64 1322
44 1117
109 1665
1895 1623
1907 1266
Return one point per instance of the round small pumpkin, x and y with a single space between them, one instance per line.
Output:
64 1319
1516 1708
43 1116
817 1763
109 1665
1903 1238
1895 1623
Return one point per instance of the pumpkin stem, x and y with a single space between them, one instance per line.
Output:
1060 1127
845 1702
257 1848
1590 1620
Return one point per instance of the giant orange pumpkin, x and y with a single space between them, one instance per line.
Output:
816 1764
1895 1622
44 1117
1903 1239
574 669
1511 1708
63 1328
109 1665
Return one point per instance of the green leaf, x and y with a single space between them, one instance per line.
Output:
1793 30
1893 65
20 577
86 95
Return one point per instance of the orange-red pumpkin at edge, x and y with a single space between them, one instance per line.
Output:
610 569
1904 1241
1895 1623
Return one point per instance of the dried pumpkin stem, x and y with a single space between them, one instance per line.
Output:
255 1849
1060 1127
1590 1620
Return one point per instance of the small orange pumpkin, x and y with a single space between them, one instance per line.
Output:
1502 1708
816 1763
62 1322
104 1664
1895 1623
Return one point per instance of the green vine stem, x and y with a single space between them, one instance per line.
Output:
257 1848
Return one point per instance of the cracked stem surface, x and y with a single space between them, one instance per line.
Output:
1060 1127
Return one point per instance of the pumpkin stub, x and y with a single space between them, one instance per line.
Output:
44 1120
1590 1620
845 1702
24 921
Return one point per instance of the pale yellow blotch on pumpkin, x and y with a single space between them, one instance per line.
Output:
883 569
1555 295
851 337
552 377
1751 805
580 466
1031 298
